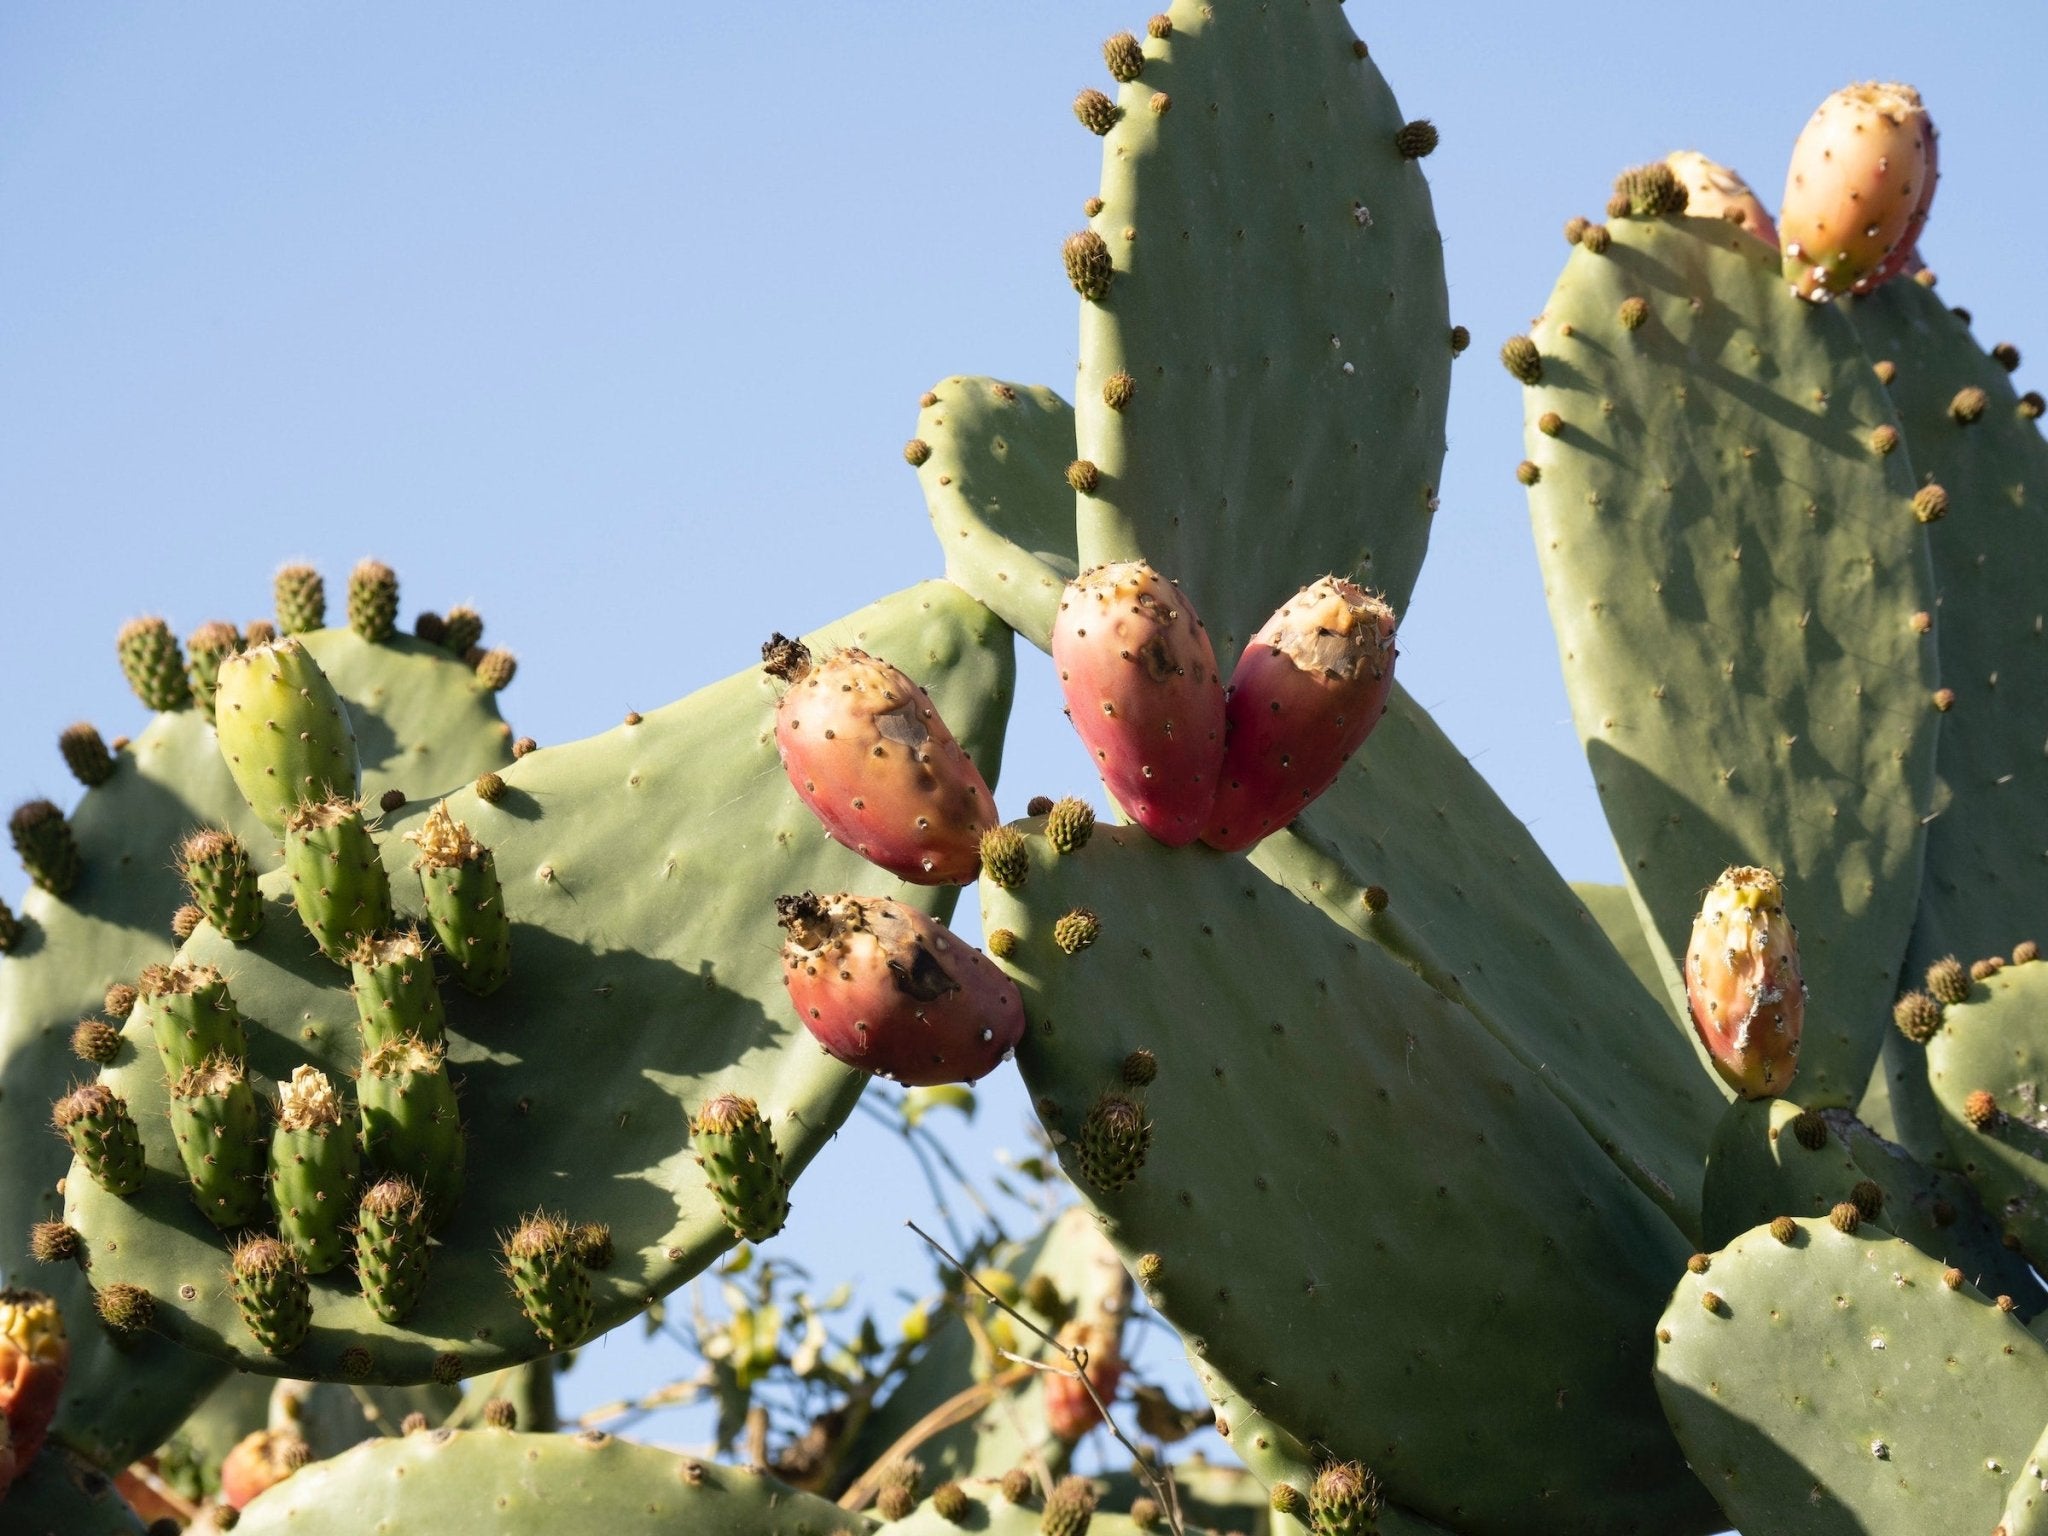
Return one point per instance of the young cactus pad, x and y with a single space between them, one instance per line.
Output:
639 996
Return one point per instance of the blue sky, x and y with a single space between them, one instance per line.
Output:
612 320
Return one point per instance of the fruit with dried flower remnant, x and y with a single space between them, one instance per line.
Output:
1743 985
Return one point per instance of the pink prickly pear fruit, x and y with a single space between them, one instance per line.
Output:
1859 170
1713 191
1743 984
1309 688
258 1463
870 755
1905 257
1142 688
884 988
1069 1411
35 1357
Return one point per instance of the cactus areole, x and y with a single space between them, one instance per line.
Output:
884 988
1743 984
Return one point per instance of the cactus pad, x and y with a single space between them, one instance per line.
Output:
1996 1043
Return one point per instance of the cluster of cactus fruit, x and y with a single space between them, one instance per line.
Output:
1549 1144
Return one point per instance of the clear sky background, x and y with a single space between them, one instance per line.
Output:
612 320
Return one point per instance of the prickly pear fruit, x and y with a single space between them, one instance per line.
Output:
284 731
1344 1500
300 597
391 1247
313 1167
1858 173
338 882
1309 688
1743 984
736 1149
461 629
884 988
1141 686
217 1122
259 1462
1069 1411
1713 191
95 1120
396 995
152 665
410 1123
205 649
271 1293
45 846
1905 256
35 1356
373 600
217 871
464 901
547 1274
865 748
192 1016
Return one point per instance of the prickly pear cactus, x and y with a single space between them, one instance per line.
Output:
1614 909
1274 1080
639 870
2026 1504
1265 340
1734 565
985 1510
1987 1067
63 1494
1825 1381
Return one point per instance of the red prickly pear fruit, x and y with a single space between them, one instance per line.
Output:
35 1357
1142 688
1859 171
1069 1411
1905 257
1309 688
1713 191
872 758
258 1463
884 988
1743 984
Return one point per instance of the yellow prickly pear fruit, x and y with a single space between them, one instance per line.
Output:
1743 984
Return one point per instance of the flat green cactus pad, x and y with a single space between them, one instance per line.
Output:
988 1513
1997 1043
640 869
1323 1129
994 458
2026 1505
514 1484
1213 1495
62 1494
1837 1384
1733 571
1279 312
1614 909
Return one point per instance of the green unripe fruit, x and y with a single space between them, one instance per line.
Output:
192 1016
1519 356
1003 858
490 788
410 1123
1096 112
1068 1508
205 649
396 995
462 628
217 871
301 598
85 754
1415 140
218 1125
271 1294
95 1040
1089 267
548 1277
1344 1500
152 665
736 1149
464 901
314 1163
1113 1141
496 670
95 1120
338 882
45 846
1069 825
391 1247
373 600
284 731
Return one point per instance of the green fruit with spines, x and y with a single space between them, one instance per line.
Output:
392 1251
1089 265
411 1125
314 1164
465 902
44 843
284 731
217 870
95 1120
338 881
461 628
1917 1016
85 754
152 664
396 995
548 1276
205 649
191 1015
300 597
1344 1500
271 1293
217 1123
735 1146
373 600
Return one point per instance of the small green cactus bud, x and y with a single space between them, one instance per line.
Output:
271 1293
1784 1229
490 788
2026 952
1810 1130
1968 405
205 649
1091 207
1145 1513
1412 141
1550 424
495 672
1140 1068
894 1503
1002 943
1635 310
1650 191
1159 27
120 1000
1618 206
1150 1267
1953 1278
1918 1017
1528 472
736 1149
1113 1141
53 1242
1118 389
1710 1301
373 600
1003 857
500 1413
1845 1218
1018 1485
430 627
1948 981
1884 439
1286 1499
905 1473
391 1247
1930 503
258 632
127 1310
95 1040
462 628
1083 476
301 598
1069 825
1096 112
217 870
43 842
916 451
1125 57
1575 228
1519 356
1076 930
549 1279
85 754
1461 338
1089 267
1344 1500
1980 1109
153 665
1868 1198
1068 1508
391 800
